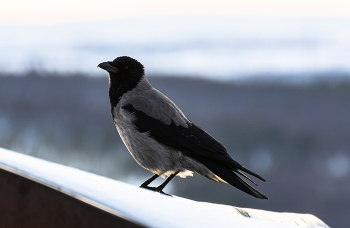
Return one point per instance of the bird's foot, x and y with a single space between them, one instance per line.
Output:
155 189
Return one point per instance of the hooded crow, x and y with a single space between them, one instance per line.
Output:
160 137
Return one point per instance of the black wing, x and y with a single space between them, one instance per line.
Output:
197 144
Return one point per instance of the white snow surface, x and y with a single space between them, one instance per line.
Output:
142 206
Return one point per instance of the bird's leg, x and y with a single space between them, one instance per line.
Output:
165 182
148 181
161 186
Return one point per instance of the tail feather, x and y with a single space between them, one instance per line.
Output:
228 174
242 174
233 179
250 172
233 164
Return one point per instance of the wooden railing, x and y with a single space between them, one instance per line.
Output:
38 193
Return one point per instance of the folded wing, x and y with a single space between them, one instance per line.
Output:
197 144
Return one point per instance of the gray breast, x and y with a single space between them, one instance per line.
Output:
147 152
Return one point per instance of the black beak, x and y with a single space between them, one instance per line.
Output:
108 67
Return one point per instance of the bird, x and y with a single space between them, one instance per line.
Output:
161 138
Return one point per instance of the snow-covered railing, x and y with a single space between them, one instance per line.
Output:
34 187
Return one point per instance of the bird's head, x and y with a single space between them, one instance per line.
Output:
123 70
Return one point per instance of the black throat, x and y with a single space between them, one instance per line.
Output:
127 73
118 86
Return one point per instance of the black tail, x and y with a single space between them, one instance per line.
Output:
228 174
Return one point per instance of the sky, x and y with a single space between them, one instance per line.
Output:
252 37
49 11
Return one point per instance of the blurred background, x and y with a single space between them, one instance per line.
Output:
269 79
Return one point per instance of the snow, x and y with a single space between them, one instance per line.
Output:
142 206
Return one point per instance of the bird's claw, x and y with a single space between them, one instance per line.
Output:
155 189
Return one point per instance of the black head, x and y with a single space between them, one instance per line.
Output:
123 69
124 74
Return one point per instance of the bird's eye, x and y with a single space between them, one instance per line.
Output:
126 67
